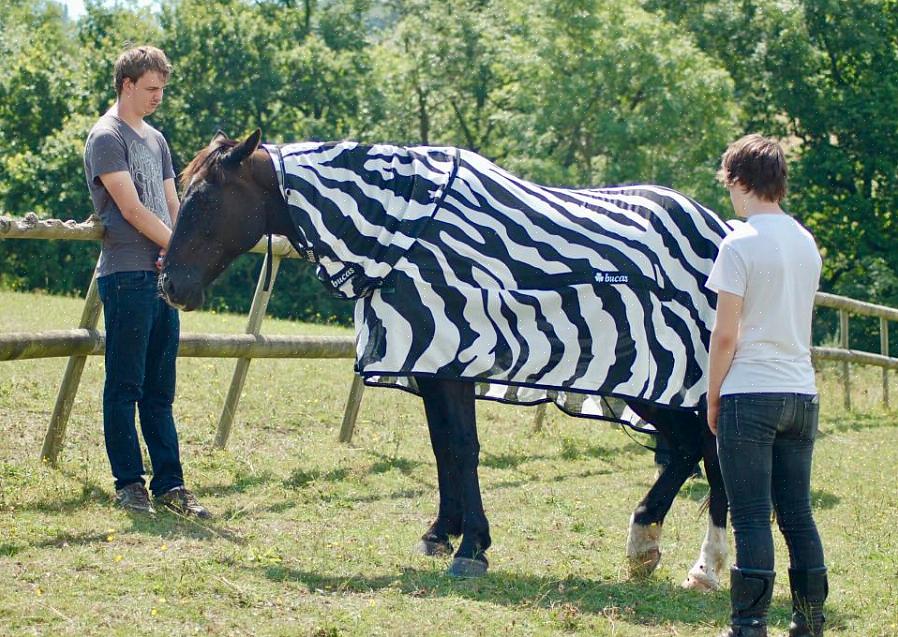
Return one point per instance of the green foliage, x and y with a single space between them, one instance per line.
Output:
615 95
565 92
824 75
447 70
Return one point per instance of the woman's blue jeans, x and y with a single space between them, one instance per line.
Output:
142 335
766 443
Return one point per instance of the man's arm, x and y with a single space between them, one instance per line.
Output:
123 192
171 199
724 337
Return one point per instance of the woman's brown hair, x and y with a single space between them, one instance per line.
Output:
756 163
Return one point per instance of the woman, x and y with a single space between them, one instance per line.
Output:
762 397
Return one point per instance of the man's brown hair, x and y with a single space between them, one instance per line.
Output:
136 61
756 163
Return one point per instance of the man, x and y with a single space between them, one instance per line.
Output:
129 173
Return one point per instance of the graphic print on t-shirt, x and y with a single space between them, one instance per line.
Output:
146 171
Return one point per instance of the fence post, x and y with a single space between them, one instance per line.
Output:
90 315
884 350
353 402
846 378
539 418
253 326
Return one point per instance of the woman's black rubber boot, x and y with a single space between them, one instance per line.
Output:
750 593
809 591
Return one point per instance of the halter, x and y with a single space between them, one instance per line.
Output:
268 259
302 245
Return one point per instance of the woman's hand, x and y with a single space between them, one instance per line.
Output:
713 413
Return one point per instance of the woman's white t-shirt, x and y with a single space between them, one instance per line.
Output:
773 263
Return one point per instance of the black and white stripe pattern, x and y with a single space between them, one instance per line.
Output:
462 270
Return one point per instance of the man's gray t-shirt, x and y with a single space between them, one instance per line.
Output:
114 146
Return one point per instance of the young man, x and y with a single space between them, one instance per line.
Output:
129 173
762 397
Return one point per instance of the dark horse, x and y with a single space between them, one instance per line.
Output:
235 195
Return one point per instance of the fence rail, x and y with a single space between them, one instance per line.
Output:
85 341
31 227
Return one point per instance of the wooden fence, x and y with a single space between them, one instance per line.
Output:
86 340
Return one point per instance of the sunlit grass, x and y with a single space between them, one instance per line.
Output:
314 538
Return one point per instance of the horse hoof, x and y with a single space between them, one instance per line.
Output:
465 567
700 581
643 548
644 564
434 549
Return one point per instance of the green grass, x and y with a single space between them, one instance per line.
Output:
314 538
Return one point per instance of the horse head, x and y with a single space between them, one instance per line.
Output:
231 198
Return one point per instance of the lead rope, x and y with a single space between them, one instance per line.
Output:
625 427
268 259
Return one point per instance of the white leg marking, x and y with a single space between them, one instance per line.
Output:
643 548
706 573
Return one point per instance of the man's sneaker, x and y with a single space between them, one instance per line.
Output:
182 501
134 497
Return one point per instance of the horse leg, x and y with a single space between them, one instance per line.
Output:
644 535
450 407
706 573
450 515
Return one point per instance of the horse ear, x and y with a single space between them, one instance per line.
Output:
241 151
218 139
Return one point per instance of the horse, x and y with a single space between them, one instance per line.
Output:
425 240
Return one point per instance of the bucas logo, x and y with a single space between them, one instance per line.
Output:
612 277
344 276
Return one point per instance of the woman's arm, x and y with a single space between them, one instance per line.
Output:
724 337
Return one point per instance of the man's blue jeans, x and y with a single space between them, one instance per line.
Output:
142 334
766 443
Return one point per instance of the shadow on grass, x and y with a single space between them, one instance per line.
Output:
167 524
821 499
645 601
163 524
61 540
240 484
388 463
91 493
401 494
854 422
301 478
507 460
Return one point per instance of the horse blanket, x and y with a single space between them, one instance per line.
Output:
462 270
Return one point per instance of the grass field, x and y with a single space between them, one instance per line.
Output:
315 538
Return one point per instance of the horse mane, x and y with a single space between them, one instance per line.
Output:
201 164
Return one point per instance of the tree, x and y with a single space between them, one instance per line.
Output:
445 70
614 95
823 75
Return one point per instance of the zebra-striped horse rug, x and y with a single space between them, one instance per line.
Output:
461 270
